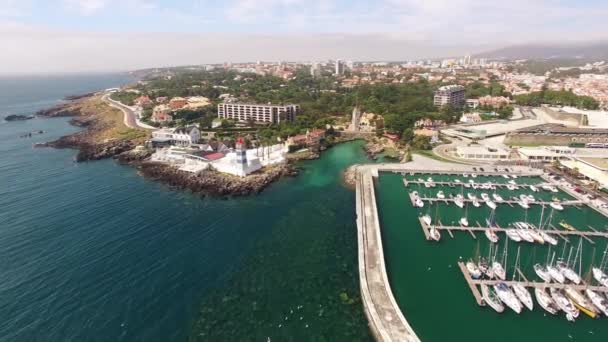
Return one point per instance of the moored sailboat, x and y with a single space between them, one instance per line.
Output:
545 301
598 301
564 303
581 302
542 272
491 298
507 296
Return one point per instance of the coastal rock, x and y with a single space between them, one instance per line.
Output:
213 183
78 97
88 151
349 176
373 149
60 110
16 117
134 156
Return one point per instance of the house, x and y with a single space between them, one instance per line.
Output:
196 102
183 136
310 138
494 101
142 101
433 134
177 103
161 114
470 118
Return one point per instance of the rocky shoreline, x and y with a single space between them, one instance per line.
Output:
213 183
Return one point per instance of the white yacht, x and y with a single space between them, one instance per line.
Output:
523 232
427 219
491 235
473 270
598 300
542 272
556 274
498 270
556 205
476 203
548 238
512 182
568 272
545 301
497 197
514 176
581 302
471 196
418 202
440 195
564 303
485 197
523 204
457 181
508 297
511 187
491 298
505 176
473 175
435 234
523 295
513 235
600 276
491 204
533 188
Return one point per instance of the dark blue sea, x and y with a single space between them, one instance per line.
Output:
94 252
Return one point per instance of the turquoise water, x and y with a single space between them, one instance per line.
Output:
93 252
430 288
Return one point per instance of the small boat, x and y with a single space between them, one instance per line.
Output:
473 175
523 232
513 235
538 237
434 234
465 175
491 298
533 188
498 270
459 201
554 189
464 222
508 297
598 300
514 176
491 204
542 272
530 198
418 202
485 197
467 185
476 203
564 303
566 226
581 302
545 301
600 276
427 184
471 196
497 197
569 273
491 235
427 219
546 187
505 176
512 182
523 204
457 181
473 270
556 205
548 238
556 274
440 195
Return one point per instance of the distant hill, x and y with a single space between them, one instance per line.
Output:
594 51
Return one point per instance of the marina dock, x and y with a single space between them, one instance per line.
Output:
474 283
585 234
510 202
451 184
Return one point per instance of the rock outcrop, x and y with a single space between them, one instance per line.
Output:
213 183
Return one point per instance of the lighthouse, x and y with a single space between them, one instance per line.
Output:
241 157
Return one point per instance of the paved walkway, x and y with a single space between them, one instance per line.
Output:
130 119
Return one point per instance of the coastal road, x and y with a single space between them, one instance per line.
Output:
130 118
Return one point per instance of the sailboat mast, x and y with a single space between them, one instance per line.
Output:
516 263
540 222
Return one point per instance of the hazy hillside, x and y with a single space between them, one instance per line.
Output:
597 50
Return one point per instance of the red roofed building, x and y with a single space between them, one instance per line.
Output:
392 137
142 100
310 138
177 102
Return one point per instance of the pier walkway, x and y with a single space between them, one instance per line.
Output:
384 315
481 201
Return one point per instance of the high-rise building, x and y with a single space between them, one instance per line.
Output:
451 95
339 67
315 70
257 112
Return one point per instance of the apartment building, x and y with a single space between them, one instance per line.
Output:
257 112
452 95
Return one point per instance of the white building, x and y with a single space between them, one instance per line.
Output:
339 67
257 112
592 168
183 136
479 152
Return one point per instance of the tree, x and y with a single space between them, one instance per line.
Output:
407 136
421 142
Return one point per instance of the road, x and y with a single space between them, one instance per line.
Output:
130 119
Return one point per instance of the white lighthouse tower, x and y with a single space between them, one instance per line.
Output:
241 157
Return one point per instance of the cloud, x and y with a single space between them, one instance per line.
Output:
86 7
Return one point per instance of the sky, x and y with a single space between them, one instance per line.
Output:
49 36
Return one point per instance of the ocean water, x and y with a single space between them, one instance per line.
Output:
94 252
430 288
